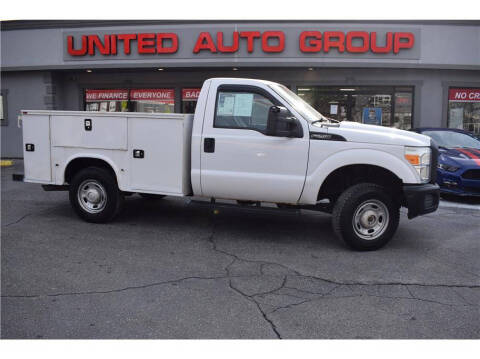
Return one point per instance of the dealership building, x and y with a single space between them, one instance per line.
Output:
399 74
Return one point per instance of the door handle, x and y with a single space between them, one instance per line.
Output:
87 124
209 145
138 153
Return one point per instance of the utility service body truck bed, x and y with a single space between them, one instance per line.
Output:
249 140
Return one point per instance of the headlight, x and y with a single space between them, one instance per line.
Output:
447 167
420 159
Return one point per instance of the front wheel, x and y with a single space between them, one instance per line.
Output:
365 216
94 195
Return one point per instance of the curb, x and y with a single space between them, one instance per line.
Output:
444 204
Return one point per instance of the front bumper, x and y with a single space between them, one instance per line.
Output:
454 183
421 198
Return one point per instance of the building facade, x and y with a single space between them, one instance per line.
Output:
401 74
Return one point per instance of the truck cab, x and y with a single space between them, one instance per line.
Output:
250 140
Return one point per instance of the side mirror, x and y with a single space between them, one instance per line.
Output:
281 123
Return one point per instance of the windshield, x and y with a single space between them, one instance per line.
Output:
452 139
299 104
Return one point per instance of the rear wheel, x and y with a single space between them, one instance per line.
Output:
94 195
365 216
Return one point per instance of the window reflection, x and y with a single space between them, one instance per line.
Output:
381 105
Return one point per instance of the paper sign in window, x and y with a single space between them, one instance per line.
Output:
243 105
333 109
225 104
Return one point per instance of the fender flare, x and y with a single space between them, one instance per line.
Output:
60 173
388 161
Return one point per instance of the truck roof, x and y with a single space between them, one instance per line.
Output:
241 79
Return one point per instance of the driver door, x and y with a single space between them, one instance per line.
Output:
238 160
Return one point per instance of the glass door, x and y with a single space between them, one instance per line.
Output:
373 109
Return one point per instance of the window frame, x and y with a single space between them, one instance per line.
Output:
246 89
4 121
448 106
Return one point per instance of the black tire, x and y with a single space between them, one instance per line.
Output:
152 196
366 198
105 183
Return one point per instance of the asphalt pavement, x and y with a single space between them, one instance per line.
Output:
176 269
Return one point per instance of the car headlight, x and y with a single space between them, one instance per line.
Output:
447 167
420 158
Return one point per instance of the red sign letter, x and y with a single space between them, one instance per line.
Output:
94 41
250 36
327 43
273 34
167 50
311 41
145 44
399 44
208 45
357 34
74 52
126 38
113 44
381 50
232 48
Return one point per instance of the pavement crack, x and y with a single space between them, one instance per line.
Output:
328 280
262 312
114 290
305 300
399 297
236 290
270 321
353 283
18 220
463 298
291 305
282 285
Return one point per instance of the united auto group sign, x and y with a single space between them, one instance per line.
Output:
292 42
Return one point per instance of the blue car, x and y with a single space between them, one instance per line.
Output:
458 171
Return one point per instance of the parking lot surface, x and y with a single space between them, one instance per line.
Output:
175 269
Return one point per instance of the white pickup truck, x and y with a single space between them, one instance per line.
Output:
252 141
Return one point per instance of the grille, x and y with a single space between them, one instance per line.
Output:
472 189
430 201
471 174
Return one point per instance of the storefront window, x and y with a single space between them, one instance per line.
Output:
153 100
464 109
189 99
403 110
333 105
106 100
372 109
378 105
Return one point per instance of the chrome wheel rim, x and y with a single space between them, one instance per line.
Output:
370 219
92 196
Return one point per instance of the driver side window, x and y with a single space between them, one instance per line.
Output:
242 110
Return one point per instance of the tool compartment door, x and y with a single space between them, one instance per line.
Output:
36 148
160 166
103 132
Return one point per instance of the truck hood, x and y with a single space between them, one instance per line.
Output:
358 132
